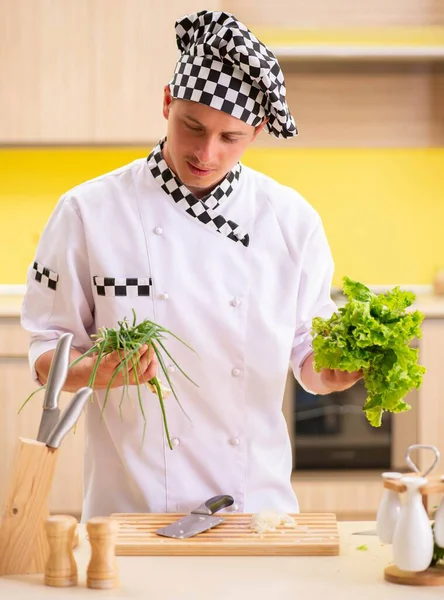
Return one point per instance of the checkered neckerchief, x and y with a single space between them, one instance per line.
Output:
205 210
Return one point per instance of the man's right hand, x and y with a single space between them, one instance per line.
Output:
79 375
146 368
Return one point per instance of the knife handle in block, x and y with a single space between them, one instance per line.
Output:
61 567
102 571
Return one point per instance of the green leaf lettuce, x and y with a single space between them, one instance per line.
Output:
372 333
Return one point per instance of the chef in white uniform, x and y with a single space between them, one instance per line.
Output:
232 262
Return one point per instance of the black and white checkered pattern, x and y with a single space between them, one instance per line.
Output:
204 210
44 275
215 84
223 65
122 286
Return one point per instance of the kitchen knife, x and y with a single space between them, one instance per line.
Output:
200 519
69 417
56 380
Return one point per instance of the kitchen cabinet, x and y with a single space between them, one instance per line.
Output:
86 72
365 103
98 69
15 386
308 14
47 72
431 398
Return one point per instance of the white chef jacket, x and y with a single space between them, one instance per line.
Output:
245 310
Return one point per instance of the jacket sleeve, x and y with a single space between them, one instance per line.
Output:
58 296
314 299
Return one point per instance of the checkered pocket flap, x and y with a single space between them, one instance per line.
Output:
44 275
122 286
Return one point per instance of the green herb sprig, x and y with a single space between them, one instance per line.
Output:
438 552
128 339
372 333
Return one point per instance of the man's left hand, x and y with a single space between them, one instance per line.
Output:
327 380
337 381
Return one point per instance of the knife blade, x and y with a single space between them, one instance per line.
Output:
200 519
56 380
69 417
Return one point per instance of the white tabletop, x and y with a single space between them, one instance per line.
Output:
353 575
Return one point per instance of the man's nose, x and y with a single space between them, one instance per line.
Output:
206 151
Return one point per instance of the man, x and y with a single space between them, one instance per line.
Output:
234 264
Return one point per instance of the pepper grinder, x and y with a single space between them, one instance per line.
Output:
61 567
102 572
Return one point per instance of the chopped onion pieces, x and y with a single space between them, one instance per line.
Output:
268 520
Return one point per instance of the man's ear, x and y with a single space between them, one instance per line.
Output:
259 128
167 100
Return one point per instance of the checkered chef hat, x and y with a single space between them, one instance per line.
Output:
223 65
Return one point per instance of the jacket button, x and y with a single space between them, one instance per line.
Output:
235 507
235 441
236 372
164 296
235 302
158 230
171 368
175 441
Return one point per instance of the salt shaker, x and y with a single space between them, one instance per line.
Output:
61 567
388 510
102 572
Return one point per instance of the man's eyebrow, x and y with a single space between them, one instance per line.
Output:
190 118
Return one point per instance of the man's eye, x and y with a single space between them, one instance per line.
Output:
192 128
229 140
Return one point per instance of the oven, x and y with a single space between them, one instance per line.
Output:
331 431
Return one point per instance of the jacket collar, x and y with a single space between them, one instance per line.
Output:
206 210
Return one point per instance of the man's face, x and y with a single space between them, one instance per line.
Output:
203 143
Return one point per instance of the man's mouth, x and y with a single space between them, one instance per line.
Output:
198 171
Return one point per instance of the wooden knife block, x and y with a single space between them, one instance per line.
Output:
24 547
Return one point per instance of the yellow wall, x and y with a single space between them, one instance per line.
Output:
383 210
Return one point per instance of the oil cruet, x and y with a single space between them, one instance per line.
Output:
388 511
413 536
413 540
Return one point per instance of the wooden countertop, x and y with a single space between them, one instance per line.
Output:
354 574
432 306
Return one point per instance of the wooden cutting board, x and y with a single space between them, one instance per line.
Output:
316 534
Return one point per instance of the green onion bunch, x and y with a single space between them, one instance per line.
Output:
128 339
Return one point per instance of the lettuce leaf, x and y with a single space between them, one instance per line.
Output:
372 333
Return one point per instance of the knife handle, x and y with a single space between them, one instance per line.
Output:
213 505
69 417
58 371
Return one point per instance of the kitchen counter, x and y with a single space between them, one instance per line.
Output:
10 305
431 305
354 574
